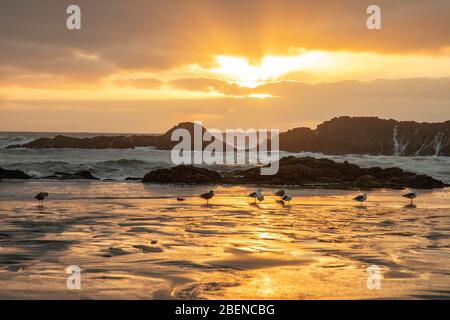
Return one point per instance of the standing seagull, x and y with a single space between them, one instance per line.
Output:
260 197
361 198
41 197
411 196
207 196
257 195
287 197
280 193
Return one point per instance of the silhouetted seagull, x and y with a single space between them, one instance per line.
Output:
257 195
280 193
260 197
41 196
411 196
361 198
287 197
207 196
179 199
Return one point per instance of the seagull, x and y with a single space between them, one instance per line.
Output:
287 197
280 193
179 199
361 198
257 195
41 196
411 196
260 197
207 196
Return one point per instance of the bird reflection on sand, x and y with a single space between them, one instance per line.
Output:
140 243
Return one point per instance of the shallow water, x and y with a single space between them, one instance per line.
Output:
135 241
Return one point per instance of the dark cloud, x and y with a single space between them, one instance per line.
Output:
419 88
209 85
298 105
33 59
165 34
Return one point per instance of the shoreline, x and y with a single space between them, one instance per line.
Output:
97 190
242 185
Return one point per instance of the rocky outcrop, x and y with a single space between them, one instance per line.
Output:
163 142
100 142
369 135
312 172
344 135
13 174
133 179
81 175
304 172
183 174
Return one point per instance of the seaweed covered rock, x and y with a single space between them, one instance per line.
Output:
182 174
308 171
81 175
12 174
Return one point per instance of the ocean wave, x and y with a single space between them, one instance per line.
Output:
124 162
119 164
112 170
7 140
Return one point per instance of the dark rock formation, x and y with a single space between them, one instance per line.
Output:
100 142
369 135
133 179
344 135
12 174
162 142
165 141
182 174
81 175
304 172
326 173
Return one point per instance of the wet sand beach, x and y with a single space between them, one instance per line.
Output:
136 241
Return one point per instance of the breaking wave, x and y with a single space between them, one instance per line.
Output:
118 164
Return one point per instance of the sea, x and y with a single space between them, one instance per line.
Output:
119 164
131 240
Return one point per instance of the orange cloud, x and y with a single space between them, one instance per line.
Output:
162 35
141 83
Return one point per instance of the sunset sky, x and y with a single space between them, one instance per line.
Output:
143 66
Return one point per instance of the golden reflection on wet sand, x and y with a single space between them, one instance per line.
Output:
138 242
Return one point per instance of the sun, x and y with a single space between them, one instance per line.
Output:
270 68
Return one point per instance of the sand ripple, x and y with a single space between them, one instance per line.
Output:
154 247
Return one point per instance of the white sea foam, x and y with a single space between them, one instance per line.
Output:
118 164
